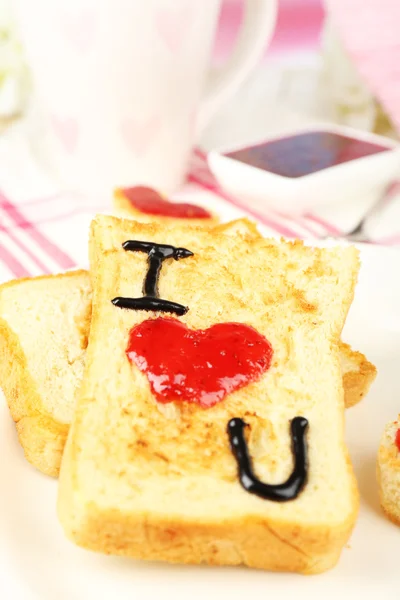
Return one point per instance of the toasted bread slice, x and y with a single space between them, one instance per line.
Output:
388 471
143 481
123 207
44 324
28 385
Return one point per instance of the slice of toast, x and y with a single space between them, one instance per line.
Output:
44 326
41 431
143 481
388 472
123 207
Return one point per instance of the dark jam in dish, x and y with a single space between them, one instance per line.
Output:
200 366
397 439
148 201
305 153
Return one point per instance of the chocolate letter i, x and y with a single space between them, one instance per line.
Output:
157 253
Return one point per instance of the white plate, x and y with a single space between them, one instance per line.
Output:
37 562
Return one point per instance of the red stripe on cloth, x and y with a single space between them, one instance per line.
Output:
277 227
25 249
45 199
12 263
42 241
62 217
328 226
300 221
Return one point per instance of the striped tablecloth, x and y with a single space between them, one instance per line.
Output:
47 233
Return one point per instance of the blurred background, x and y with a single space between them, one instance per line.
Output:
305 75
96 95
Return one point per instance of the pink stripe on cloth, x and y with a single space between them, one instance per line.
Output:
25 249
393 240
277 227
12 263
61 217
328 226
300 221
42 241
44 200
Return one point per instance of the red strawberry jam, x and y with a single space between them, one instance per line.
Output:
397 439
150 202
200 366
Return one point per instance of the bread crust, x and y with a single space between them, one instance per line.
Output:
112 514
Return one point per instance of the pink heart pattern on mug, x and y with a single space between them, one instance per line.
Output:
138 136
67 131
173 24
79 29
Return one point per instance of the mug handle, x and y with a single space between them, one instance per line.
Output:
255 33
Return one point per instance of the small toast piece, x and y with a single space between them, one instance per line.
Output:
388 472
358 374
44 325
41 433
123 207
142 481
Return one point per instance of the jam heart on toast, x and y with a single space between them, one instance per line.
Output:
200 366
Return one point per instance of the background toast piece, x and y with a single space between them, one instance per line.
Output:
44 324
43 436
141 481
124 208
388 472
358 374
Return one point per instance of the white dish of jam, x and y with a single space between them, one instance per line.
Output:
308 169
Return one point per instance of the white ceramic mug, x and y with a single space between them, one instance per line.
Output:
124 83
